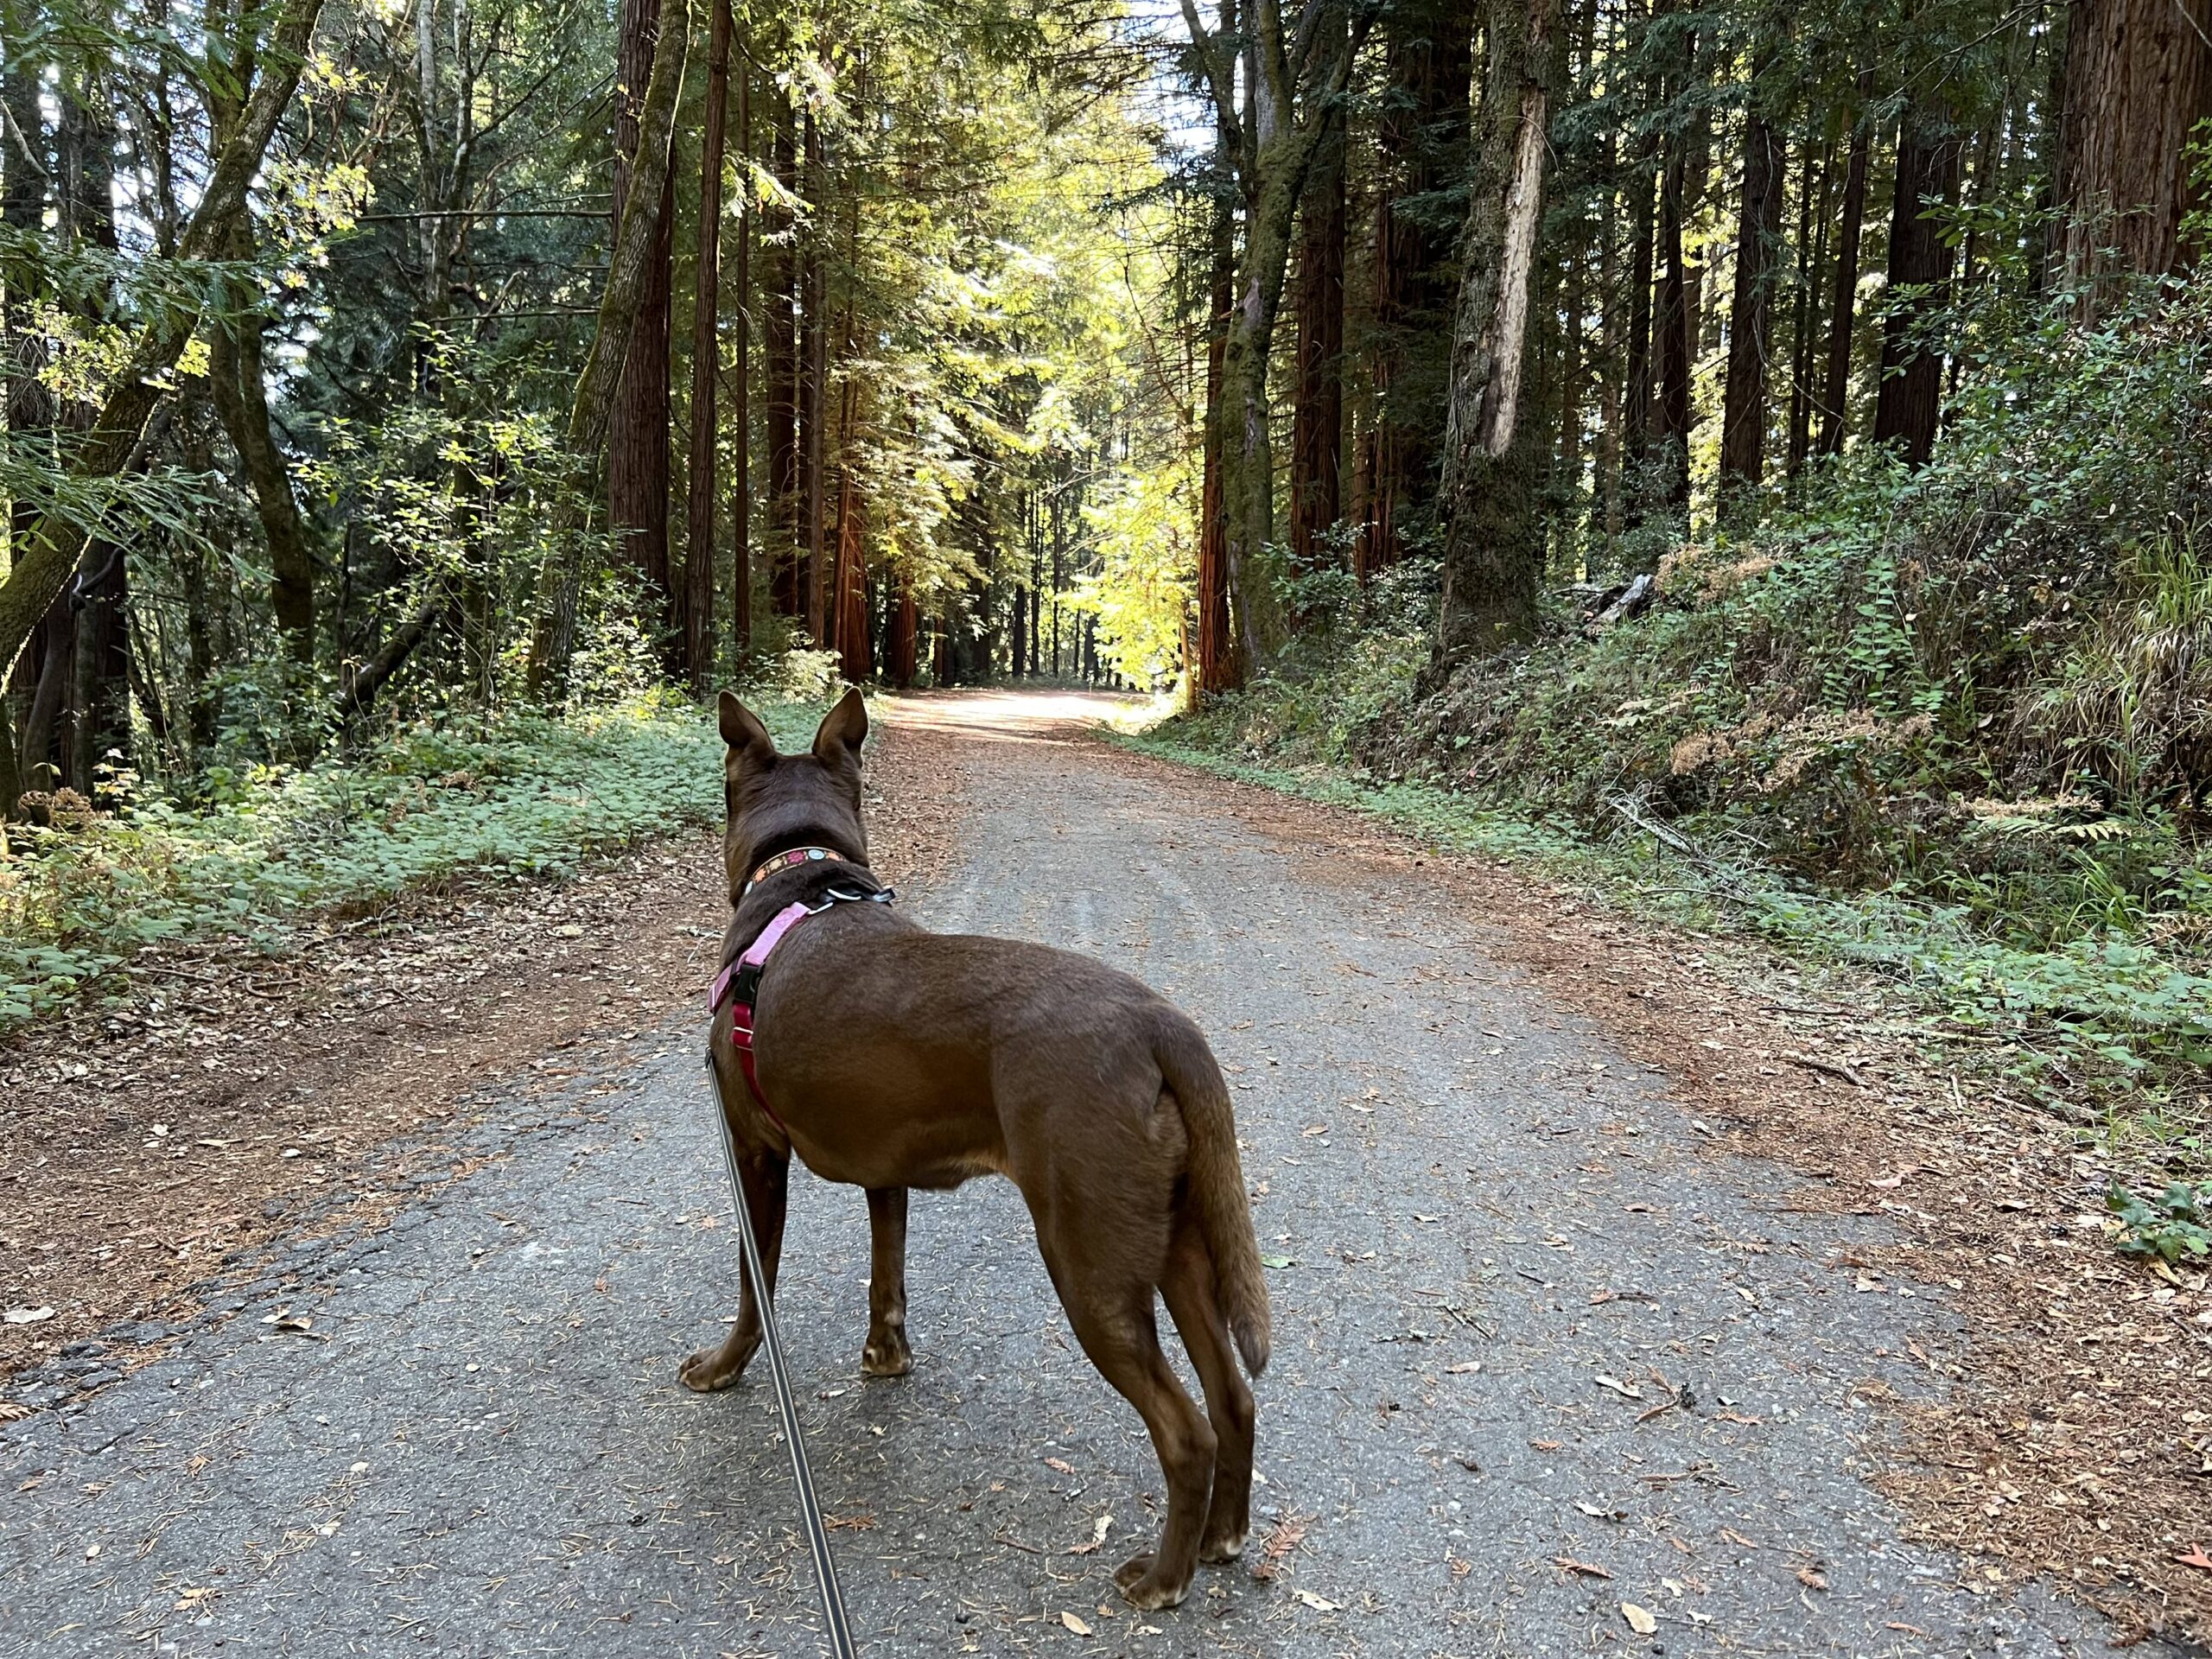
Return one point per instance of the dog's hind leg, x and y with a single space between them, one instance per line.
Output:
1123 1342
765 1176
886 1353
1188 1288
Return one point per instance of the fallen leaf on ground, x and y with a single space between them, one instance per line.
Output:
1287 1535
1075 1624
1626 1391
1318 1604
1735 1537
1061 1465
2195 1556
1545 1446
13 1411
25 1315
1811 1580
1587 1569
1737 1417
1098 1531
1639 1620
1463 1368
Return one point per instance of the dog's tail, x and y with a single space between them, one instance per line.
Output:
1216 1186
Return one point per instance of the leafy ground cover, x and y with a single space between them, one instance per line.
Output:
523 797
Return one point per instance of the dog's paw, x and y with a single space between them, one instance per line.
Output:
1215 1552
887 1355
711 1369
1141 1586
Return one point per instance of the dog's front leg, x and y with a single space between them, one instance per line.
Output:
765 1176
886 1353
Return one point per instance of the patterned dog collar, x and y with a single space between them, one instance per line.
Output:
784 860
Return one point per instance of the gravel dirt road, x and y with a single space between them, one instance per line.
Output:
1541 1350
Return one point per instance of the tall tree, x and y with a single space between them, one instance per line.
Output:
638 437
1759 247
1844 297
706 368
781 344
1908 404
53 545
2138 84
741 384
1494 543
1421 135
1317 418
637 230
1291 74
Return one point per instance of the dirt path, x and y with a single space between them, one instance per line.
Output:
1541 1350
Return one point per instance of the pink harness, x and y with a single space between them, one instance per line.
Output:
740 1012
738 983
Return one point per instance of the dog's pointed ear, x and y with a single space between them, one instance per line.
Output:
843 729
748 738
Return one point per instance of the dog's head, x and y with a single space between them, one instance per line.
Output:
780 801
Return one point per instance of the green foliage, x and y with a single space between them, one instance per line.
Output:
264 846
1953 724
2176 1226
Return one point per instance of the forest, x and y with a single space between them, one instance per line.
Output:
1612 598
1780 438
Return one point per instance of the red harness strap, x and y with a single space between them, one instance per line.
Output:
746 969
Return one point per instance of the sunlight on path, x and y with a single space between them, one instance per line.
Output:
1012 715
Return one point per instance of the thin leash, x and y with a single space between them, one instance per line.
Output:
817 1535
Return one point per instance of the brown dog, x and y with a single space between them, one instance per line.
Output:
891 1057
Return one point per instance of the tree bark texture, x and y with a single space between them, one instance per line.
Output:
1494 543
1843 304
1423 133
1751 328
238 380
637 229
1276 139
1218 667
1908 404
637 441
813 375
2138 79
1317 418
706 369
740 588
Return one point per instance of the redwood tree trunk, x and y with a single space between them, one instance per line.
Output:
780 264
553 636
1218 668
1842 307
2138 78
1317 420
814 341
1422 131
638 437
740 591
1750 328
1494 541
904 625
1907 406
706 369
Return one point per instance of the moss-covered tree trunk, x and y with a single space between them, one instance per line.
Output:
1494 543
